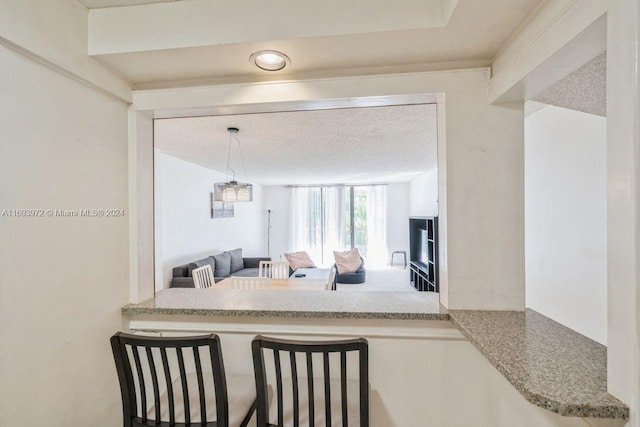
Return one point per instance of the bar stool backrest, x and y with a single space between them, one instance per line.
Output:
144 365
302 398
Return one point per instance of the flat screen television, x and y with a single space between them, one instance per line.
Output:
423 254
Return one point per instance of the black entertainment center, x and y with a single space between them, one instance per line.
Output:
423 253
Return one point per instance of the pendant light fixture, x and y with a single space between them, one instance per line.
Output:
232 190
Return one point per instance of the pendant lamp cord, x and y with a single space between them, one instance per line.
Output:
229 159
229 168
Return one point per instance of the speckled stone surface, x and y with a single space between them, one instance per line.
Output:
551 365
314 304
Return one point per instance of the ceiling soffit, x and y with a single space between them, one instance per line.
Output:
209 42
183 24
97 4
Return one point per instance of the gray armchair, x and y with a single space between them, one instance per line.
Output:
354 278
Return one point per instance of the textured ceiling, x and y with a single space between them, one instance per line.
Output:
357 145
583 90
97 4
476 29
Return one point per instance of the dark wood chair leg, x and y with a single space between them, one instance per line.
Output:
247 418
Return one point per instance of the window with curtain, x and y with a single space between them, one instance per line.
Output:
336 218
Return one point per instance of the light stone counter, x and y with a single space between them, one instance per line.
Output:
551 365
316 304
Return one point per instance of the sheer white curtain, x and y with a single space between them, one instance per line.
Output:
335 211
377 251
318 222
306 222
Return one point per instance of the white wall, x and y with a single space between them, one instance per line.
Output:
565 218
187 230
61 39
142 244
279 198
63 280
423 194
534 51
398 218
481 267
623 200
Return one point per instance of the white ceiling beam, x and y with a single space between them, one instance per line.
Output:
192 23
235 98
323 104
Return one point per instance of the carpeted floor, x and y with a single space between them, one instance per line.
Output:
383 280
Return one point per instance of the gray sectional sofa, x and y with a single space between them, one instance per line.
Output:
226 264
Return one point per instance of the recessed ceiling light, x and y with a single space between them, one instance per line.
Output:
269 60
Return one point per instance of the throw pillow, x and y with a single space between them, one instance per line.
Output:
347 262
299 260
223 265
202 263
237 263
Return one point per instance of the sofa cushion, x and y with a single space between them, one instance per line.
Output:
237 263
299 260
201 263
247 272
254 262
222 265
348 261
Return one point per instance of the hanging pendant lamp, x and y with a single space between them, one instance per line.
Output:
232 190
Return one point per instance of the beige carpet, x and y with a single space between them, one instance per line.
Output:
383 280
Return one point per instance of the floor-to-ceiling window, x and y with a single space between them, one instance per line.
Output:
334 218
356 219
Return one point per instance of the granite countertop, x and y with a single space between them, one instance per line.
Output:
313 304
551 365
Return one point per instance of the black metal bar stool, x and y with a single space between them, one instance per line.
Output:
154 394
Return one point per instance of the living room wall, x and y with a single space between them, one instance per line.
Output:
278 199
398 202
423 194
566 218
185 230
